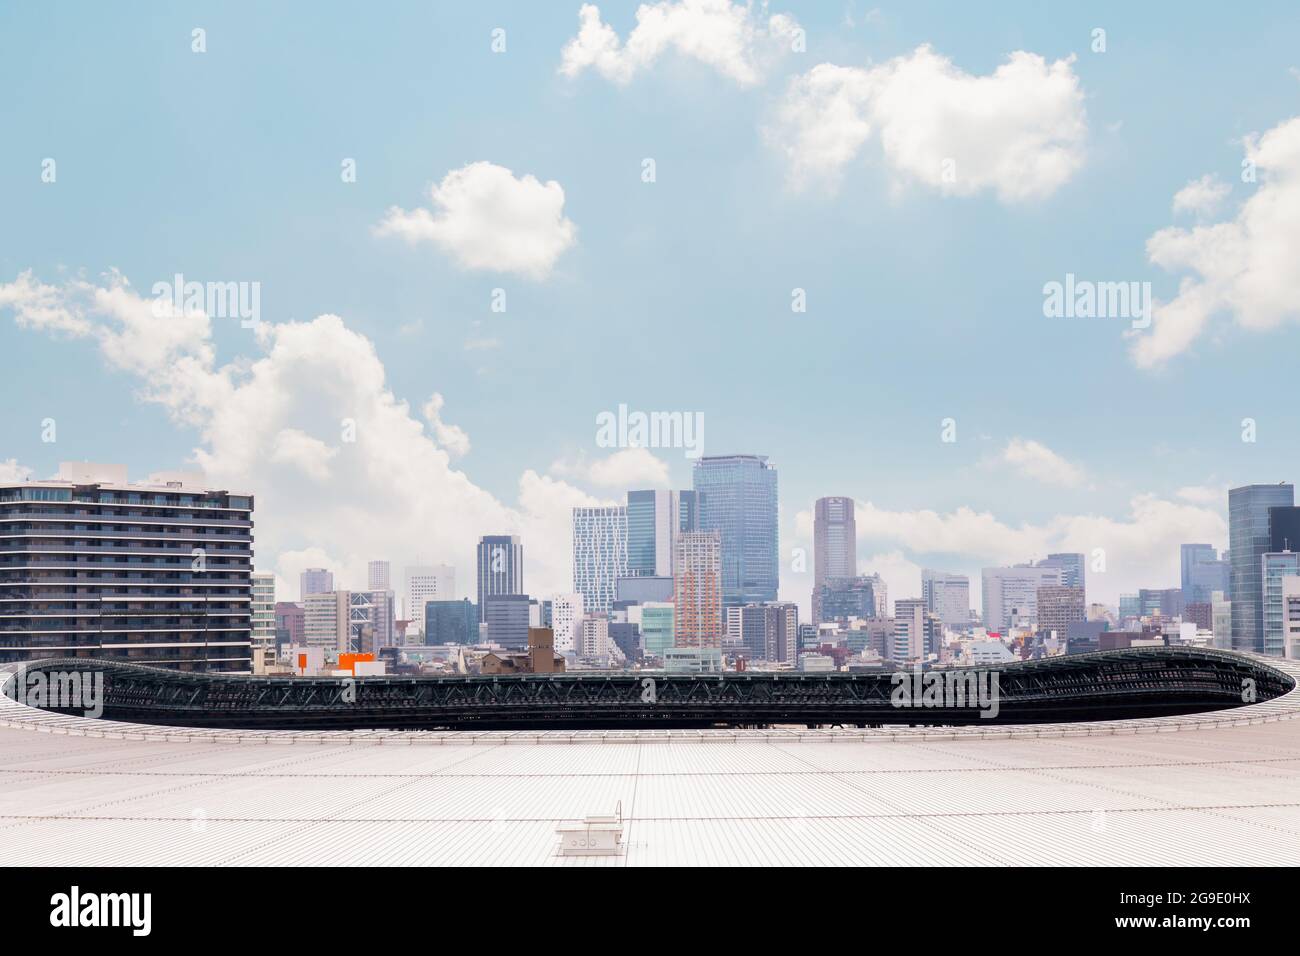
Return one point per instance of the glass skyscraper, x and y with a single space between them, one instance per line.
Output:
1203 573
500 568
599 554
1248 542
654 519
736 496
1274 568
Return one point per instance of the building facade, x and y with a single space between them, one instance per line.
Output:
835 544
327 620
425 583
155 573
947 595
654 519
500 568
737 497
599 555
450 622
697 590
315 581
1248 542
263 616
1012 593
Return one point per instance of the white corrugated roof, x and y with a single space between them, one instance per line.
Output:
1210 789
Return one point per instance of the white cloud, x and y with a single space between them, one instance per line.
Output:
1244 267
486 218
626 468
729 37
1204 494
10 470
1202 196
1018 132
1035 460
451 437
340 467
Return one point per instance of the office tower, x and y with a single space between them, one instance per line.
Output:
1248 542
1275 568
315 581
599 554
1129 606
1203 573
697 589
1059 606
656 620
288 624
881 592
639 590
1012 593
910 631
835 545
424 583
153 573
766 632
594 639
1200 613
263 616
947 595
450 622
1071 566
506 617
371 621
1283 529
566 613
838 599
1221 611
654 519
379 576
1291 617
1166 602
500 568
737 496
326 620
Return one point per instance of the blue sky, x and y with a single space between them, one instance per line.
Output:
676 294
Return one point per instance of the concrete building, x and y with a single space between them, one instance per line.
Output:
1071 565
379 576
371 618
948 596
599 554
840 599
315 581
1011 593
835 545
263 616
157 572
697 590
765 632
656 621
327 620
1059 606
289 627
506 617
425 583
500 568
566 616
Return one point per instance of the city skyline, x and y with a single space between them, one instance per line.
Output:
404 342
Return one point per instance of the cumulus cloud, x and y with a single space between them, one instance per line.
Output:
1202 196
729 37
1018 132
1035 460
626 468
342 470
1242 268
486 218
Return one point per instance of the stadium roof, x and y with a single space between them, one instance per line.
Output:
1212 788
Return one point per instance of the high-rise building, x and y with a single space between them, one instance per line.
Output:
1221 611
737 497
379 576
425 583
1275 568
500 568
263 617
654 519
315 581
839 599
881 592
327 620
947 595
1165 602
599 555
835 545
371 617
1012 593
507 620
152 573
1072 569
566 614
766 632
1059 606
1283 529
1203 573
656 628
594 641
288 624
913 630
1248 542
697 590
450 622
